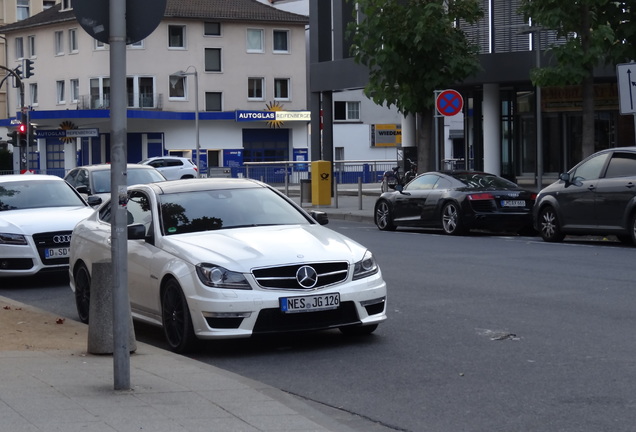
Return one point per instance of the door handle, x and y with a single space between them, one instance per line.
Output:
630 185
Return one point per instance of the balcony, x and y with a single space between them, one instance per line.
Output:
143 101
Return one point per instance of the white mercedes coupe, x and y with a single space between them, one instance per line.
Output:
231 258
37 215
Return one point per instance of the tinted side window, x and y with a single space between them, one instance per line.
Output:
174 162
590 169
425 182
622 165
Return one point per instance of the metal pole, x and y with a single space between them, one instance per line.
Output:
119 196
537 38
196 119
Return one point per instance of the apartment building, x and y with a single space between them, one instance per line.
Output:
246 59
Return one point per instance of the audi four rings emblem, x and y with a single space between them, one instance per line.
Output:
66 238
307 277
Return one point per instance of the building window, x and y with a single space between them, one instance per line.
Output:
176 36
59 43
343 110
74 90
33 94
213 59
99 45
31 42
255 88
23 10
212 28
61 98
254 40
141 92
72 40
213 101
19 48
281 41
138 44
281 89
66 4
47 4
177 87
100 93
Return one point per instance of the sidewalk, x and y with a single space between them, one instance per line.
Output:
353 202
49 383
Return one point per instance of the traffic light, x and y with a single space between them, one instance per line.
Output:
22 134
28 68
13 138
18 72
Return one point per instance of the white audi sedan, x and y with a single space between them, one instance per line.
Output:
37 215
231 258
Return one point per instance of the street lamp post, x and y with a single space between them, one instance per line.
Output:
184 73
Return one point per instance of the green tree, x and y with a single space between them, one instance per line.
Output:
591 33
412 48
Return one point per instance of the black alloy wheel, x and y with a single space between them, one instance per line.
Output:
384 216
451 219
549 226
82 292
630 237
176 319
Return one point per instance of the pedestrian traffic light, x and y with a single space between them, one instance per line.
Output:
13 138
28 68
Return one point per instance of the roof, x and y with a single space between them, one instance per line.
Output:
220 10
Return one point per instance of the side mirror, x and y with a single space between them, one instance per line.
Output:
136 232
94 200
565 177
399 188
83 189
320 217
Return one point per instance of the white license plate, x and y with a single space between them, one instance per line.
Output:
513 203
56 252
310 303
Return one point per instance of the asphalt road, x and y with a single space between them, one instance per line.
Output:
485 333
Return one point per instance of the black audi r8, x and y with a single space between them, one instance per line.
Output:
456 202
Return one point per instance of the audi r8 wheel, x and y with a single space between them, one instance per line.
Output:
549 227
82 292
451 219
176 319
384 216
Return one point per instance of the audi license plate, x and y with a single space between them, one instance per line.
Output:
56 252
513 203
310 303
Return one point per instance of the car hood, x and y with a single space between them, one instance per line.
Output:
242 249
30 221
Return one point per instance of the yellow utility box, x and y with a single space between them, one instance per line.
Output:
321 182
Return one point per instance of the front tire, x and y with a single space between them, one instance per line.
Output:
176 319
549 226
451 219
384 216
82 292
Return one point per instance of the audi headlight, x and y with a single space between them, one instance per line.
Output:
13 239
219 277
365 267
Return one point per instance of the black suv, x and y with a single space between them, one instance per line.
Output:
596 197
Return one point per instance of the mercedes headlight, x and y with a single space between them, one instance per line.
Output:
219 277
365 267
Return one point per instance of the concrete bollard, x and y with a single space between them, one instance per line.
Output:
100 324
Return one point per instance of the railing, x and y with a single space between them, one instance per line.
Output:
153 101
292 172
283 172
